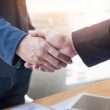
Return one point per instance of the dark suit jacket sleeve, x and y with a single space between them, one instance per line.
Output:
93 43
10 38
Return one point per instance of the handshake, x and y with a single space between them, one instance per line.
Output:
46 50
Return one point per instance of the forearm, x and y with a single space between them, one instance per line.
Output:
10 39
93 43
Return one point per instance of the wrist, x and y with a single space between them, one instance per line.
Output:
70 42
22 45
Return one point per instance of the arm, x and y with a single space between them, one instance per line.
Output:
93 43
10 37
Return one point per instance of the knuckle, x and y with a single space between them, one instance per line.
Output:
41 53
57 63
49 66
46 64
57 54
45 45
52 67
37 60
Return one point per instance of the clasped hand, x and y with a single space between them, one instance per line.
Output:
46 50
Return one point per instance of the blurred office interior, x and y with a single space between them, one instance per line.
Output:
66 16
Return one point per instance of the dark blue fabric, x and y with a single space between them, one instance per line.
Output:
9 39
6 69
14 78
13 28
15 87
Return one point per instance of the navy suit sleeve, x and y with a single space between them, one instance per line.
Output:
10 38
93 43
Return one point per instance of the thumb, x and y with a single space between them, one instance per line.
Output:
37 33
33 33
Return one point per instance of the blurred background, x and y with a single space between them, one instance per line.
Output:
67 16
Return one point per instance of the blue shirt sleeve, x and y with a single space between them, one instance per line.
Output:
10 38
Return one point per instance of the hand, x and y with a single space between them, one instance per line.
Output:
59 41
37 51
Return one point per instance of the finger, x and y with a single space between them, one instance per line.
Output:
35 33
28 65
58 55
40 67
55 62
40 61
48 65
36 67
44 69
